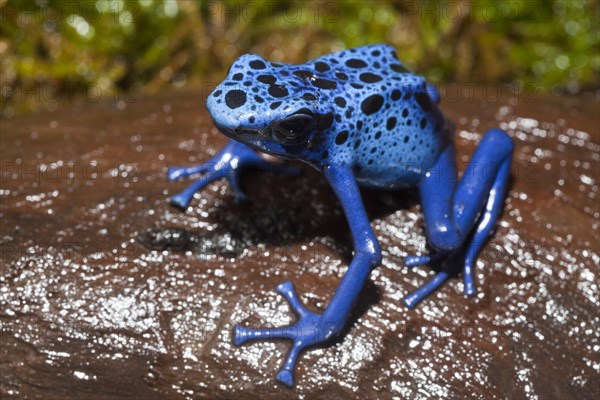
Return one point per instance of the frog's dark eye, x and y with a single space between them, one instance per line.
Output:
295 124
294 129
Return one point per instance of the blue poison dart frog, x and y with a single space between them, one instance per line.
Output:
362 119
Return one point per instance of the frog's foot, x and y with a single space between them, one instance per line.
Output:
413 298
228 163
309 329
460 215
415 261
451 261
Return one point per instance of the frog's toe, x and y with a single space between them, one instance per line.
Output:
470 289
179 201
175 173
452 262
286 289
413 298
285 375
468 278
295 331
309 329
242 335
182 199
415 261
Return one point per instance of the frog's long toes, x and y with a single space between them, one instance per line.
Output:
468 279
415 261
180 201
242 335
413 298
470 289
174 173
286 377
286 289
286 374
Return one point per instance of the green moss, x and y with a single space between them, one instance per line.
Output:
113 46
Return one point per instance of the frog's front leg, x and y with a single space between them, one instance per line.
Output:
227 163
312 328
460 215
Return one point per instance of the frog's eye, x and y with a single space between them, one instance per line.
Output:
296 124
294 129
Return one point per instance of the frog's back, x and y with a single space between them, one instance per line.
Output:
370 112
387 124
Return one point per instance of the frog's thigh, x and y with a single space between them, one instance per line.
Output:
485 178
437 192
452 208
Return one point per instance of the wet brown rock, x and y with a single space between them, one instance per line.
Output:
107 292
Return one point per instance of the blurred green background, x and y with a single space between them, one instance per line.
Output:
52 50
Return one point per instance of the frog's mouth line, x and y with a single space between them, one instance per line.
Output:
260 140
240 134
246 131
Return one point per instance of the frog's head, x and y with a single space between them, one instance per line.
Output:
268 106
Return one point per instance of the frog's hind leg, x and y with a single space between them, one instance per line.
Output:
455 210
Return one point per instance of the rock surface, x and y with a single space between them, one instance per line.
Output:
107 292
